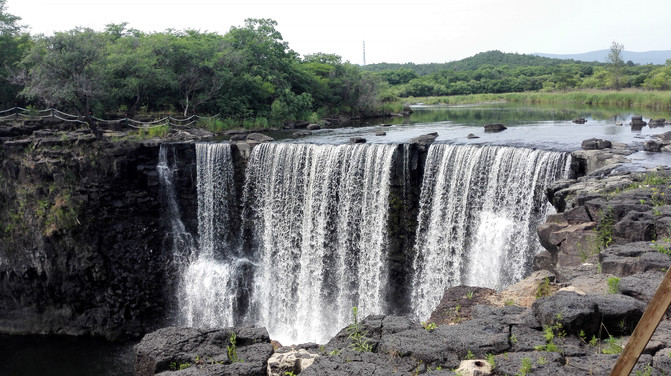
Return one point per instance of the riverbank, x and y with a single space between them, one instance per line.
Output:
634 98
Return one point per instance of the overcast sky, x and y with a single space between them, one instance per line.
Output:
419 31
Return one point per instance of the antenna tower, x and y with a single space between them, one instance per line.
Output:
364 53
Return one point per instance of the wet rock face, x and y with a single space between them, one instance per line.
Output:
81 248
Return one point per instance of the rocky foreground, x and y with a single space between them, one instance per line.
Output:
607 250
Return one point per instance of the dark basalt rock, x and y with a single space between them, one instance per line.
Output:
205 352
98 269
357 140
618 313
313 127
424 139
579 121
259 137
465 297
632 258
656 123
596 144
495 127
472 136
301 134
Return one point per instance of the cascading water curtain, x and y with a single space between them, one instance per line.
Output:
182 241
317 215
207 295
479 209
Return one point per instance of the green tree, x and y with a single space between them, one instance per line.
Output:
616 64
67 70
13 44
660 78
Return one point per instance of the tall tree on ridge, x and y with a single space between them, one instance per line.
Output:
616 64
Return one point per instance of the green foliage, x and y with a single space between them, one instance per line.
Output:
549 333
469 295
613 285
357 336
509 302
541 361
429 326
612 345
176 367
491 359
544 289
469 355
647 371
525 368
233 349
662 246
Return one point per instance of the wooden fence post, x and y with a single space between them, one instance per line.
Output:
645 328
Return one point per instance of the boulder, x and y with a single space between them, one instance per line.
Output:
290 360
367 364
575 312
618 313
301 134
635 226
313 127
632 258
259 137
474 367
357 140
596 144
662 361
655 123
424 139
207 351
653 146
457 302
523 293
380 133
376 326
495 127
472 136
637 123
579 121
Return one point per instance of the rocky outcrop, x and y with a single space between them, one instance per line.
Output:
81 248
495 127
190 351
659 143
596 144
292 360
424 139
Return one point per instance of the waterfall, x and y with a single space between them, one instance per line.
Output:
208 291
479 209
182 241
310 236
316 218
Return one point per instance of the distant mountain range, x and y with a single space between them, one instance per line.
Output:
649 57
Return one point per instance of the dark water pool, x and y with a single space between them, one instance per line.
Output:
64 356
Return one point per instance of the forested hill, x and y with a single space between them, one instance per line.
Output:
495 58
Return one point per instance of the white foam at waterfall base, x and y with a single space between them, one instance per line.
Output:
479 208
318 215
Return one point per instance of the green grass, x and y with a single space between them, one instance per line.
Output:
625 98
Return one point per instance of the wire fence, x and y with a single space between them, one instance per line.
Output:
20 113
